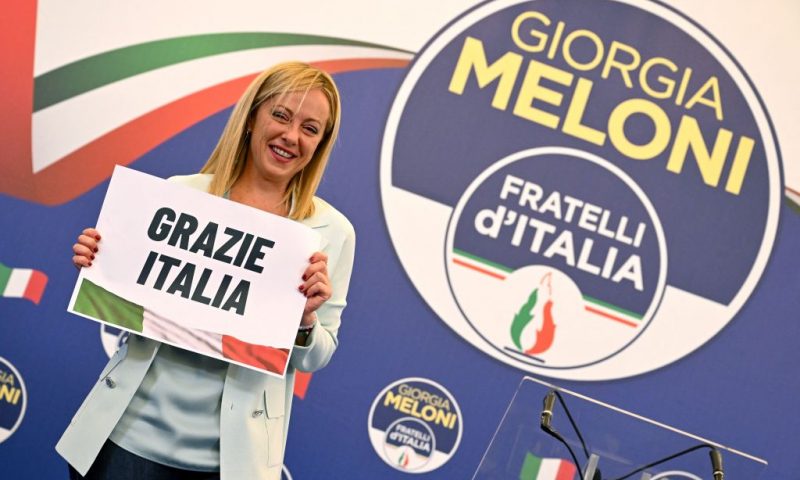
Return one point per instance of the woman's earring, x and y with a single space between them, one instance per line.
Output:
246 136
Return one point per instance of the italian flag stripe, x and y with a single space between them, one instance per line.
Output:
536 468
96 302
99 70
22 283
593 305
793 199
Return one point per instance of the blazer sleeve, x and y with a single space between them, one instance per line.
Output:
324 337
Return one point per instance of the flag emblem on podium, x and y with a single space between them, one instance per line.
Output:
535 468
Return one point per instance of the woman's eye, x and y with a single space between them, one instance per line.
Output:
312 129
280 115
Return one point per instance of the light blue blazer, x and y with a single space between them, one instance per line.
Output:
254 416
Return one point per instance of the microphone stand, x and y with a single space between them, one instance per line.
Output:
545 424
546 419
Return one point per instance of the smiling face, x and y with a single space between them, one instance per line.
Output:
285 132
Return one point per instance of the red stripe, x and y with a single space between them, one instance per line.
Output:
35 288
301 381
604 314
17 46
478 269
266 358
566 471
793 191
124 144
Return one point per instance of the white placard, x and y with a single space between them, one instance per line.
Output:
197 271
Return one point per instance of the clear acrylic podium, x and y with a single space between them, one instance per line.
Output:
617 444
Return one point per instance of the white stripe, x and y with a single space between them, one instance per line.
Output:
56 131
17 282
548 469
482 266
612 312
196 340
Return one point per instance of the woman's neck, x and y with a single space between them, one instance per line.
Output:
260 194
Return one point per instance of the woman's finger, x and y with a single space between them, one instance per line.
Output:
83 251
91 232
318 257
319 291
88 242
314 279
314 268
81 261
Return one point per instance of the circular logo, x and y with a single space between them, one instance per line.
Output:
112 338
568 265
572 198
415 425
13 399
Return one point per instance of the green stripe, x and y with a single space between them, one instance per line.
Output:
530 469
97 302
612 307
102 69
482 260
5 274
792 204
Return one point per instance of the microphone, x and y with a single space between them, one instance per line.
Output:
546 418
547 412
716 463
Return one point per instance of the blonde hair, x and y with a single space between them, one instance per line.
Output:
228 158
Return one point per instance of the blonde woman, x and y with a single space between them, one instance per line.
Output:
161 412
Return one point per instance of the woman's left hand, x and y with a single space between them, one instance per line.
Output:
316 287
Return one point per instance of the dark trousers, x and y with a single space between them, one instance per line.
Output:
116 463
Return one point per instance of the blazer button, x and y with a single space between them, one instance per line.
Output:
257 413
110 383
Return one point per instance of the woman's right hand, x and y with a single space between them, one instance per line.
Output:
86 248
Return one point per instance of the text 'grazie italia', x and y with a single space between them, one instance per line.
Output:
224 244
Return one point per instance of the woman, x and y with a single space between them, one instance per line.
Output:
162 412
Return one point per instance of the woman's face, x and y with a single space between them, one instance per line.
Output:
285 133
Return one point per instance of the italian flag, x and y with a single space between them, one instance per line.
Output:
22 283
96 302
536 468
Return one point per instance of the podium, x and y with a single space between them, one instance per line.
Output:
607 443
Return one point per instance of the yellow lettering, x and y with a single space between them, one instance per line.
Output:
577 107
712 85
540 36
531 90
393 399
689 135
598 48
407 405
667 83
740 162
616 129
473 58
624 68
9 394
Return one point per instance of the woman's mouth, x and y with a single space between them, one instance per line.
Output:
281 153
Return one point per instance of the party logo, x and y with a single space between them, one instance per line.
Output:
581 189
415 425
13 399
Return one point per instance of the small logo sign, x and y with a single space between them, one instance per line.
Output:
13 399
415 425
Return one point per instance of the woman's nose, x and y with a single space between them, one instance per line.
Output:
291 133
